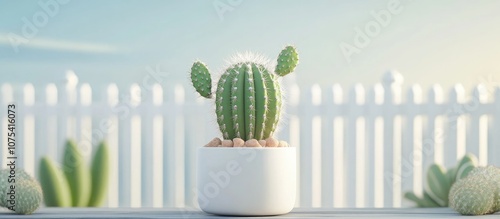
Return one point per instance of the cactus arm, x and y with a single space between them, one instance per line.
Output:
223 104
249 95
200 77
260 101
100 175
237 101
273 104
54 184
287 61
78 175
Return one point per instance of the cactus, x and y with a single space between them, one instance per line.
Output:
76 184
473 195
28 193
78 175
440 181
100 175
248 95
492 174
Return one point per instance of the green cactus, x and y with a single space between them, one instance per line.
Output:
28 193
76 185
100 175
201 79
473 195
492 174
55 186
248 96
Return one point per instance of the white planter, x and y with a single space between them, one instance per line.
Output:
246 181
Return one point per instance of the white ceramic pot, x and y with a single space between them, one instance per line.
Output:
246 181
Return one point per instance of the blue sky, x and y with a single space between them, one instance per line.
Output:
429 42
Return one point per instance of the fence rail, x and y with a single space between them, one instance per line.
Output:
357 148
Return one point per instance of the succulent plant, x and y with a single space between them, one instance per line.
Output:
466 188
438 184
440 181
55 185
78 175
465 165
100 175
75 184
28 193
473 195
248 95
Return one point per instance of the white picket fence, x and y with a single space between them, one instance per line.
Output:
357 148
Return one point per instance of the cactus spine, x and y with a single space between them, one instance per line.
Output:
476 194
248 95
28 193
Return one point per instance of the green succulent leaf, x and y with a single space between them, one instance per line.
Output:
100 175
438 184
78 175
465 165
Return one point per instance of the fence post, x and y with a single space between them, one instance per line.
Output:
455 134
327 180
354 148
392 97
477 138
147 110
26 155
124 111
373 145
410 167
306 148
173 158
112 134
292 132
